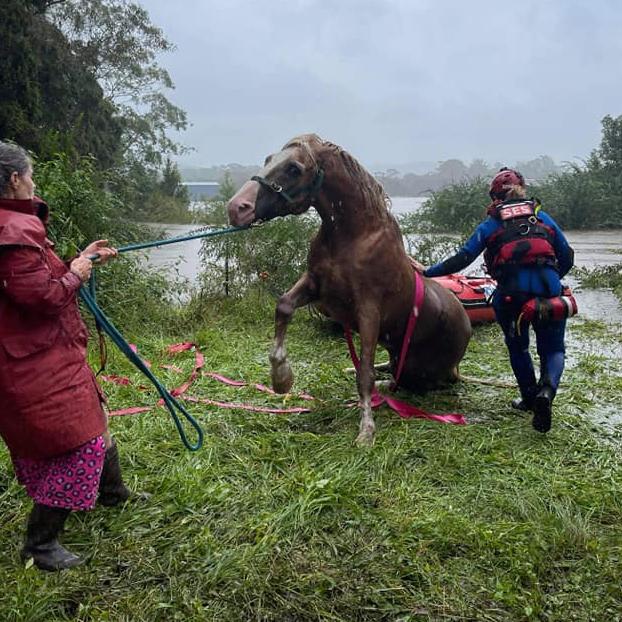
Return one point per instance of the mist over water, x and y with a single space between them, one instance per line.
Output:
592 248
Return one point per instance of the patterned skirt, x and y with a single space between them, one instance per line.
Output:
68 481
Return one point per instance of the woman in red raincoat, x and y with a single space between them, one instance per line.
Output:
51 414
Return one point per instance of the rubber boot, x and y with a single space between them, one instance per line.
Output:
520 403
44 525
526 400
542 408
112 490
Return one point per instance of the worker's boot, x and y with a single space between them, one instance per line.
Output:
526 400
542 408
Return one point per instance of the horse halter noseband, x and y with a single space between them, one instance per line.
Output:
290 197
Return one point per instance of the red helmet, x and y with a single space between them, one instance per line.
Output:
503 181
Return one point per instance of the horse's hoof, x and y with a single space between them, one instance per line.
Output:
282 378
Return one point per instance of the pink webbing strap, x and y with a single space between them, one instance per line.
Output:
418 296
403 409
199 362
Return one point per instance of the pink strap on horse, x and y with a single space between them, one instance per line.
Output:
404 409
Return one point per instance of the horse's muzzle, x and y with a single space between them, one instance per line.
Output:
241 207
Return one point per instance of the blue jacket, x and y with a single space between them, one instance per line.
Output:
534 280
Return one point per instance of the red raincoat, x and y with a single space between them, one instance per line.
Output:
49 399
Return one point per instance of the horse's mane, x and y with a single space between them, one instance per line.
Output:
374 195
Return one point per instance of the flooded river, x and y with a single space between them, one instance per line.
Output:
592 248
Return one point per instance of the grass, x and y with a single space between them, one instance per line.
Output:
603 276
280 517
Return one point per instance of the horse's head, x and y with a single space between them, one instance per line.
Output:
287 184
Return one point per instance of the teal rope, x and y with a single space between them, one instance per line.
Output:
171 403
181 238
89 298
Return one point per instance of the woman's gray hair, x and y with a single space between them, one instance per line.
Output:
13 159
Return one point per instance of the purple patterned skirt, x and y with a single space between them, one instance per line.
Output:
68 481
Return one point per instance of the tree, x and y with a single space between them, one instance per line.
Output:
50 101
539 168
479 168
609 154
116 41
170 185
452 170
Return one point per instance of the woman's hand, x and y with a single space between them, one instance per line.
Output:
100 248
81 266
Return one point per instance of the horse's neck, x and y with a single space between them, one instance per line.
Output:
346 212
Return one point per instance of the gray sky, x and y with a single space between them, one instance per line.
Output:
394 81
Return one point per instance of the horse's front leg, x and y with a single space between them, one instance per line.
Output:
369 324
303 292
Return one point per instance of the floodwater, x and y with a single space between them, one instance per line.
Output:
592 248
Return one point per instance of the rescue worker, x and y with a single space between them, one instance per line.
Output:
51 414
527 253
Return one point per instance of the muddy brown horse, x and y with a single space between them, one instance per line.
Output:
358 272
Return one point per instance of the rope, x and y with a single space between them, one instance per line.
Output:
171 403
89 298
181 238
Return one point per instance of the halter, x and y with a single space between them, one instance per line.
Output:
290 197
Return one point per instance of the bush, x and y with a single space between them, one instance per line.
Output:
459 208
82 211
607 276
582 198
271 257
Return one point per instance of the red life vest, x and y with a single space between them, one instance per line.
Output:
522 240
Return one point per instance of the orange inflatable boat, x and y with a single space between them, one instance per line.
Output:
475 294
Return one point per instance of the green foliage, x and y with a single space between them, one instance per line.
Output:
49 98
271 257
81 212
457 208
590 196
116 41
578 197
609 154
150 195
430 249
281 518
604 277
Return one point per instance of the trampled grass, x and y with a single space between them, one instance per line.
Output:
280 517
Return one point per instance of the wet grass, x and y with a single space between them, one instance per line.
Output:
602 276
280 517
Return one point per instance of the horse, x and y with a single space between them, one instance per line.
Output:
358 272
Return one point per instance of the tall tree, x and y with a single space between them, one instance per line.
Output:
50 101
452 170
609 153
117 42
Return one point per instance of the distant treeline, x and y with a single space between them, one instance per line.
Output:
586 196
237 173
454 171
395 182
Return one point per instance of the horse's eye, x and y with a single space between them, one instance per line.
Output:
294 171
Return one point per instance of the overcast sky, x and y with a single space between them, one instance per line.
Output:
394 81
